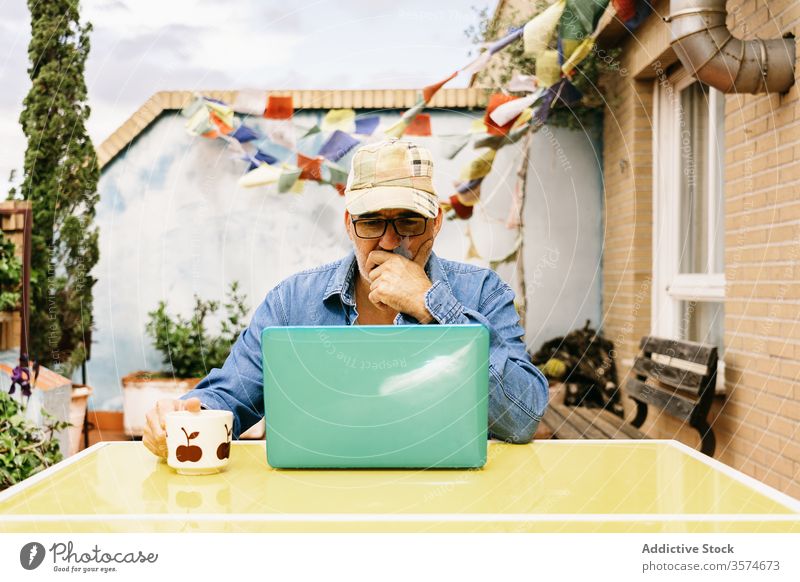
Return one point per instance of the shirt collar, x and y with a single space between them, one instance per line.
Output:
342 282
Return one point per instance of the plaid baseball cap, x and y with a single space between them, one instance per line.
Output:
391 174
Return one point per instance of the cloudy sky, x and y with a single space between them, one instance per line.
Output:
143 46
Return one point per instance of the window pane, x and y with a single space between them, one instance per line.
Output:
718 113
693 179
703 322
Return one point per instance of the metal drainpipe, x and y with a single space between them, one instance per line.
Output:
708 50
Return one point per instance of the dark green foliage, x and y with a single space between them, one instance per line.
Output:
10 275
588 78
60 179
25 449
186 345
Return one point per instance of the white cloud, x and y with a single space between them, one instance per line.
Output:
143 46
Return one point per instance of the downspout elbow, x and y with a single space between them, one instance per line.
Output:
708 50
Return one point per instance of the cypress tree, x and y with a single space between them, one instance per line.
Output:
60 180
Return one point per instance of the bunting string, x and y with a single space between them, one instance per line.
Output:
287 154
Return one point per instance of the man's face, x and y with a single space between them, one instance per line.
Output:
390 239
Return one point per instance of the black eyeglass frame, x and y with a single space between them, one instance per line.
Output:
386 222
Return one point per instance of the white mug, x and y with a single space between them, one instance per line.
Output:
199 443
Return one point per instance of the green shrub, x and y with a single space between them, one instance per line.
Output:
25 449
187 347
10 275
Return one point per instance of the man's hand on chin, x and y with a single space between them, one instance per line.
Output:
401 283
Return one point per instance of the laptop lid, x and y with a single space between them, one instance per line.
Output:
376 396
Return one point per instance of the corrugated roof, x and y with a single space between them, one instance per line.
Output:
303 99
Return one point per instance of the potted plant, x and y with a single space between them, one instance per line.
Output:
189 350
25 447
77 415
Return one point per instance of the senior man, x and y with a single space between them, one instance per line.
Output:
392 276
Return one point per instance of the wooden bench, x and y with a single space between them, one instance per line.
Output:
677 377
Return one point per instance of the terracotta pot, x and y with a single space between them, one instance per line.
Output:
77 413
141 391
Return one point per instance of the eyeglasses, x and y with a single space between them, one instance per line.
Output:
403 226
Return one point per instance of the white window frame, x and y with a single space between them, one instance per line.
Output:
670 287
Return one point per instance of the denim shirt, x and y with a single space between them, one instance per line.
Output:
461 294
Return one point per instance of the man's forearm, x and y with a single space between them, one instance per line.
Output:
517 389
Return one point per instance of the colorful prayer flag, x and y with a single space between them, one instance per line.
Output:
580 17
265 157
491 141
429 91
313 130
261 176
542 112
338 144
287 179
578 55
415 110
566 93
339 119
311 168
495 101
420 125
223 112
199 123
279 107
479 167
450 145
367 125
469 193
547 68
643 10
397 128
334 173
222 127
463 212
193 106
512 35
277 151
523 83
506 113
538 32
244 134
525 116
477 126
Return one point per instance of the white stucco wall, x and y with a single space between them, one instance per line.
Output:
563 234
173 223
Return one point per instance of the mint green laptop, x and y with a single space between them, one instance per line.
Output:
382 396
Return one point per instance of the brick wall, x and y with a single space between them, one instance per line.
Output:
760 423
757 422
628 172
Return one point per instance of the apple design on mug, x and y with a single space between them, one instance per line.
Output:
189 453
224 449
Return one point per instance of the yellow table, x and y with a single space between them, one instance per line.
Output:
549 486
